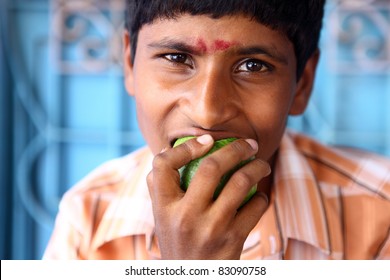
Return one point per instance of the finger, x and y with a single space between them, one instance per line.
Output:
239 185
164 180
159 177
187 151
216 165
249 214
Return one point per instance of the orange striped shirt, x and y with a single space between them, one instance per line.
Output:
326 203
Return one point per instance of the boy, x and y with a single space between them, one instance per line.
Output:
218 69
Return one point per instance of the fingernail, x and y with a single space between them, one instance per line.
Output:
253 144
205 139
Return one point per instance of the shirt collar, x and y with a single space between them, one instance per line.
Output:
300 212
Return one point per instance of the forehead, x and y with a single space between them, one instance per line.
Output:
210 35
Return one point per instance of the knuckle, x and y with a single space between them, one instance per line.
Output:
210 165
160 161
239 235
211 235
241 178
208 238
238 148
183 223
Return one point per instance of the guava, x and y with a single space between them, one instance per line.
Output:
188 171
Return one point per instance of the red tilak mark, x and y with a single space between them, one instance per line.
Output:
201 46
221 45
218 45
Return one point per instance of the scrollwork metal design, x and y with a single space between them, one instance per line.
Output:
359 36
86 35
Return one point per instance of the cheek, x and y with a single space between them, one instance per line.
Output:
153 105
269 115
270 110
150 126
148 114
154 110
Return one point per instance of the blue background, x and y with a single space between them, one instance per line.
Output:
64 110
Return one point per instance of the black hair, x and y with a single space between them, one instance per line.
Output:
299 20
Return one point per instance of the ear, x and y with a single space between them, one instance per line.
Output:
305 85
127 64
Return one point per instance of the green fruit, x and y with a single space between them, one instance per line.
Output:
188 171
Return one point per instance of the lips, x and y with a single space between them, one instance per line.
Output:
217 135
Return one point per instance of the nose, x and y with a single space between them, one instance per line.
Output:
212 102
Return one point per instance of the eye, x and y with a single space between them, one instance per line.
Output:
179 58
252 65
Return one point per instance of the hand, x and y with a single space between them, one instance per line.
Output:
191 225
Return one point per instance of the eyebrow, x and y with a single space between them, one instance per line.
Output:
197 50
264 50
175 45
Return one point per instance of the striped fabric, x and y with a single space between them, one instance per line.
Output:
326 203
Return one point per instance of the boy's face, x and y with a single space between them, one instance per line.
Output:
228 77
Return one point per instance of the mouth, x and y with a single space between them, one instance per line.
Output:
172 143
217 135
